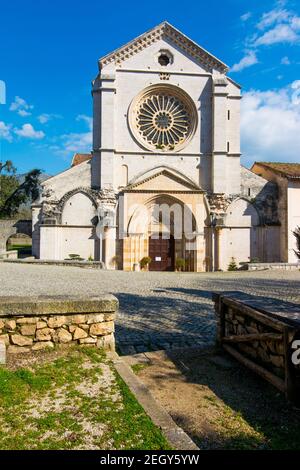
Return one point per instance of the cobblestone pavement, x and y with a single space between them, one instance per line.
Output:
157 310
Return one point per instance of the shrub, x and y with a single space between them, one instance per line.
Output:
90 258
232 265
145 261
180 264
74 257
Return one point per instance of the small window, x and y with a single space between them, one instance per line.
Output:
228 115
249 192
164 60
228 146
164 57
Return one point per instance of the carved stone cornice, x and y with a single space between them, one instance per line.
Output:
174 36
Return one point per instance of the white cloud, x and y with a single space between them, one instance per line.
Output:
80 142
274 16
248 60
278 26
296 93
5 131
246 16
44 118
270 123
87 119
285 61
76 143
28 131
24 113
281 33
21 107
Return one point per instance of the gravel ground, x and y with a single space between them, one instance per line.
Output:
157 310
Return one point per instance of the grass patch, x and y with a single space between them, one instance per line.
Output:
23 250
136 368
77 401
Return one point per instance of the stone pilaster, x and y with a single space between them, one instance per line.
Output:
103 131
219 135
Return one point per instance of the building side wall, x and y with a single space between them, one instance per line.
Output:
293 198
282 184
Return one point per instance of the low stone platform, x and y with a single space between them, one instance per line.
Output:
74 263
9 255
273 266
36 323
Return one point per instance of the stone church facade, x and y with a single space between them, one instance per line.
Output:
164 178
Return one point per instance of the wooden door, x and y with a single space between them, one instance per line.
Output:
161 251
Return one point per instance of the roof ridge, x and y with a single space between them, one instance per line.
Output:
154 34
286 169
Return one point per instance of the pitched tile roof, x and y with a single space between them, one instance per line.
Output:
80 158
287 170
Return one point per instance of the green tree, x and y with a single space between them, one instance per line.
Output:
12 193
296 232
232 265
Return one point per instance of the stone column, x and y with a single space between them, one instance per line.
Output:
218 248
36 211
110 247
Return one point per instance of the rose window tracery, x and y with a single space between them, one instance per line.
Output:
163 118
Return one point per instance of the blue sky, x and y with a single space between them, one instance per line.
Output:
49 52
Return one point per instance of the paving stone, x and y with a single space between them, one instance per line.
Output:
156 309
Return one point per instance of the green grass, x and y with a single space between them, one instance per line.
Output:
22 249
136 368
75 401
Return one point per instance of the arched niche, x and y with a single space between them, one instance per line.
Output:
79 210
242 213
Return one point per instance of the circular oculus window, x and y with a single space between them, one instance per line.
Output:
163 118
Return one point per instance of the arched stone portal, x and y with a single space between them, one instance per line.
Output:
163 226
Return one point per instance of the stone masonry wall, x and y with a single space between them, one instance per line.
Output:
34 324
269 353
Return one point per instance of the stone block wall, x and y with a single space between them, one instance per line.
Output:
262 338
37 323
269 353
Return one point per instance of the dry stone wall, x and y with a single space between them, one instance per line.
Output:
35 324
270 353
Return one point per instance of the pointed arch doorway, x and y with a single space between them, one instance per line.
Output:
162 253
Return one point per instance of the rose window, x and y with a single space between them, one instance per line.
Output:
163 119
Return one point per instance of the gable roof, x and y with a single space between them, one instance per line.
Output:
286 170
164 31
80 158
169 173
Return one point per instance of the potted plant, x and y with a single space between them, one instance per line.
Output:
180 264
115 261
144 263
